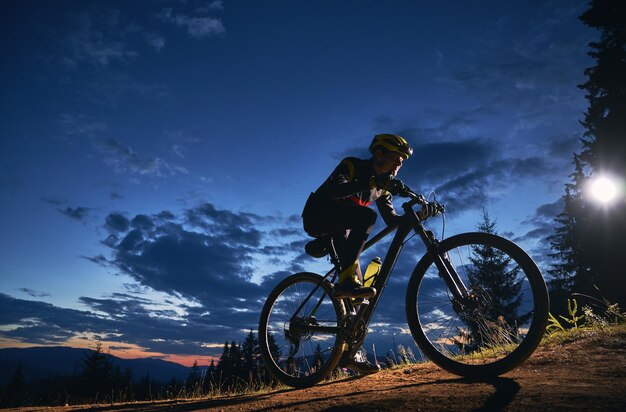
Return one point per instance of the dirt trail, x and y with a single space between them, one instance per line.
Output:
587 374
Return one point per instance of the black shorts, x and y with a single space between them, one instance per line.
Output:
321 217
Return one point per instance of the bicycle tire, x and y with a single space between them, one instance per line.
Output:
452 354
298 377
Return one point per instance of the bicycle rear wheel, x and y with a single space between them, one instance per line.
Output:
300 338
498 326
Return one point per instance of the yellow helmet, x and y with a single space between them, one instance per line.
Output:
392 143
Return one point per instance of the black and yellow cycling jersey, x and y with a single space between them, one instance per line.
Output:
349 183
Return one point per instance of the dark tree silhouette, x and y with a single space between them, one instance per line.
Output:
236 359
571 269
230 367
250 349
273 346
265 375
588 239
195 375
97 374
146 388
172 388
224 366
212 373
495 274
15 390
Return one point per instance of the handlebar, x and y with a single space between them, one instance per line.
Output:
403 190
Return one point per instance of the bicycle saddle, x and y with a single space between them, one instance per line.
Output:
318 247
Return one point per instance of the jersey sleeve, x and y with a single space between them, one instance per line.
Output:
386 209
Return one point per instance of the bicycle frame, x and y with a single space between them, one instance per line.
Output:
409 222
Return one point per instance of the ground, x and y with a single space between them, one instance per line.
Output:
587 373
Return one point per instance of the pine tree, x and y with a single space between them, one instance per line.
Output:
127 383
212 373
146 385
604 148
96 373
273 346
493 273
250 349
16 389
266 376
224 366
172 388
588 240
117 383
236 360
571 269
194 376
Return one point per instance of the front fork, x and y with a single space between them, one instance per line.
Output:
446 269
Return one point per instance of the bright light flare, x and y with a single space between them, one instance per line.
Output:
604 189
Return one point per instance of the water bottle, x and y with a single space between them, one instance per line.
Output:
372 270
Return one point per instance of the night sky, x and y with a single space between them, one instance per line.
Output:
155 155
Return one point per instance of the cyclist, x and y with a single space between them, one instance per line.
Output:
339 206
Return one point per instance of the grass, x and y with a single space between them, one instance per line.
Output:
580 323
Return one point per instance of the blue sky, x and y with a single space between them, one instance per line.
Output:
155 155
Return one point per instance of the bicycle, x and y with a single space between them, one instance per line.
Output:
454 316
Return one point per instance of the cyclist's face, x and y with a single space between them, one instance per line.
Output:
390 162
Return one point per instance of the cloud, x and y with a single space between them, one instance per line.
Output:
98 41
214 5
543 222
536 234
155 40
546 213
129 319
80 213
204 257
34 293
123 159
107 88
180 141
77 213
116 222
43 323
79 126
475 188
565 146
95 50
434 162
197 27
53 201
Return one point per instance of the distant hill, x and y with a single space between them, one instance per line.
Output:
40 362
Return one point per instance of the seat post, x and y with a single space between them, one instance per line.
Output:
334 258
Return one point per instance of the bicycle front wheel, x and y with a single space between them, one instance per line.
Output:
300 335
501 321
